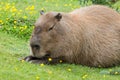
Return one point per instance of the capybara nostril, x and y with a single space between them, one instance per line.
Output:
35 46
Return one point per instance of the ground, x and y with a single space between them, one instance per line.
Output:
13 48
16 17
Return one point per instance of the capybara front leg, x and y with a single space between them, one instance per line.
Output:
32 59
44 60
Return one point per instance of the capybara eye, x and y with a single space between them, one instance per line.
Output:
50 28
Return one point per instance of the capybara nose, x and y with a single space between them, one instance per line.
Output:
36 46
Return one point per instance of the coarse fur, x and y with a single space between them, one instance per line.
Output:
89 36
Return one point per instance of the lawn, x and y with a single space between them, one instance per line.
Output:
16 23
13 48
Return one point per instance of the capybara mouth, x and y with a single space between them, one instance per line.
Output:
42 58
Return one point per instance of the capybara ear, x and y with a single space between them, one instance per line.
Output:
58 16
41 12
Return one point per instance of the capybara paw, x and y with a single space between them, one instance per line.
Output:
28 58
32 59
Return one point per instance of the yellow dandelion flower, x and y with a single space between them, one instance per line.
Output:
13 14
37 78
20 10
7 6
13 3
25 17
2 3
1 21
15 22
72 8
69 69
31 12
46 1
33 27
32 7
65 4
42 65
104 76
21 27
14 27
13 9
56 5
84 76
61 61
18 13
25 27
49 59
22 30
7 18
26 8
43 9
49 72
110 69
70 4
116 72
16 69
22 61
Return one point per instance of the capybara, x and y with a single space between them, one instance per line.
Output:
88 36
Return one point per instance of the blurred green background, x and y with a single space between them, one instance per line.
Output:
17 17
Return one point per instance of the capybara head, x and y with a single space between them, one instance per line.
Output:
45 36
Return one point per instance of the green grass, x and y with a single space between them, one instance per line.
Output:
12 48
18 16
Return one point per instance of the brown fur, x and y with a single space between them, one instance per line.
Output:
88 36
